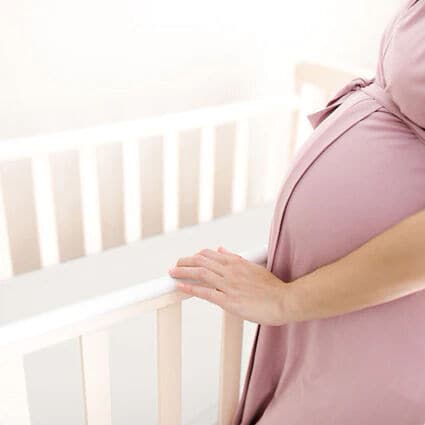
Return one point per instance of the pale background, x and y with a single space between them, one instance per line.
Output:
67 64
78 63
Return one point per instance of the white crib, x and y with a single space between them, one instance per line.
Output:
90 221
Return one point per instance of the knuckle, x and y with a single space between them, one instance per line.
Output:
203 272
204 251
199 260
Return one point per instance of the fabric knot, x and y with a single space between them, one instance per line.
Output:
357 83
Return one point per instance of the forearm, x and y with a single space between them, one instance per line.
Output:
387 267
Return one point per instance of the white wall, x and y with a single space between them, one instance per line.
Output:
73 64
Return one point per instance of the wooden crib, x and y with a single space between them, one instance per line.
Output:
90 221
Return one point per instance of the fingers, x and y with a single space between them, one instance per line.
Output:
211 254
204 292
200 260
207 267
223 249
200 274
221 256
214 255
228 254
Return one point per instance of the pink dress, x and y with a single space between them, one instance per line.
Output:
361 172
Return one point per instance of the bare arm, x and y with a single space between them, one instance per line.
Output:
387 267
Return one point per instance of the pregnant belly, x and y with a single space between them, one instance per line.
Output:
372 177
365 367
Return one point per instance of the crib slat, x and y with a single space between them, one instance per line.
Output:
230 366
45 209
96 378
293 138
189 177
110 175
206 177
18 198
90 200
152 182
132 191
240 167
169 364
223 178
171 182
14 408
5 258
67 195
295 119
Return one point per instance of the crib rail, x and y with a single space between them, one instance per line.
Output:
37 311
146 127
74 194
148 189
97 202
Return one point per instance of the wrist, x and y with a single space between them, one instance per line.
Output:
289 303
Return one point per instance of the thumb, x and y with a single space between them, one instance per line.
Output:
224 250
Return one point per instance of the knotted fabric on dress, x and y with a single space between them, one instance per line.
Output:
400 74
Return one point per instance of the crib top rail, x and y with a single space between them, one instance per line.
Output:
102 134
82 295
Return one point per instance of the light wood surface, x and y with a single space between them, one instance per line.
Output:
230 366
69 196
14 408
79 290
96 378
169 362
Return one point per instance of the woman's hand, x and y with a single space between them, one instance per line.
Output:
235 284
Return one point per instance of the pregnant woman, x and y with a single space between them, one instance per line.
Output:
340 306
